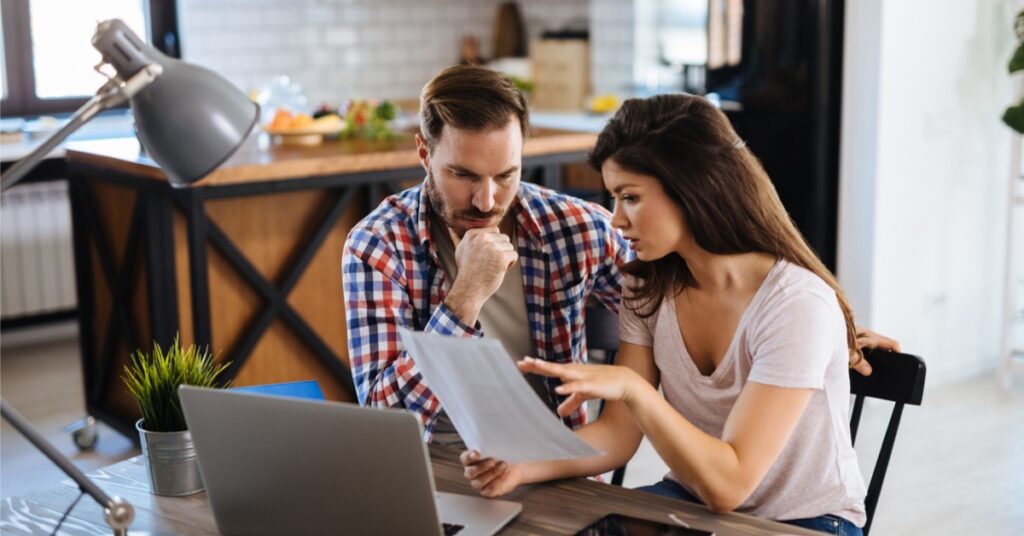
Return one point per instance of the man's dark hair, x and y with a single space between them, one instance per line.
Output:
470 97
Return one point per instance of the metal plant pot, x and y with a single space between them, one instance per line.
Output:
172 462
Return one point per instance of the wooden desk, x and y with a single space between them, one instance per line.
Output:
245 261
562 507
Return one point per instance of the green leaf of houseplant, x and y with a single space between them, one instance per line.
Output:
1014 117
153 379
1017 61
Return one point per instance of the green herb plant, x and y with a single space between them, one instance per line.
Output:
153 381
523 85
369 121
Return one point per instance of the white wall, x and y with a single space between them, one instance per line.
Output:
339 49
923 191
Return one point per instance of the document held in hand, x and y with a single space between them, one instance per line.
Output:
491 405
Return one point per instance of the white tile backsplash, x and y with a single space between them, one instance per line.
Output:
339 35
339 49
611 45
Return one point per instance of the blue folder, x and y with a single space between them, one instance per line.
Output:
308 389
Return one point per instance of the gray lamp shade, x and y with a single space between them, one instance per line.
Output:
190 119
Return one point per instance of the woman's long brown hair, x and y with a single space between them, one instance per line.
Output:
727 199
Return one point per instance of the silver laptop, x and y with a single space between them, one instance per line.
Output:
274 465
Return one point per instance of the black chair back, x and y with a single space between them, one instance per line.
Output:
602 327
898 378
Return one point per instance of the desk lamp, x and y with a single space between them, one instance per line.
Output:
189 119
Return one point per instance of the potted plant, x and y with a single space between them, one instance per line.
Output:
153 380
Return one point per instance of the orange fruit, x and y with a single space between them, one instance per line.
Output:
302 121
282 120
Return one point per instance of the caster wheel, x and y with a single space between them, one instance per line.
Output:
84 434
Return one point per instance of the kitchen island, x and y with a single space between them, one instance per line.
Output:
245 261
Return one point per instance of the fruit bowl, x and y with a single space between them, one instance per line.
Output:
303 130
308 135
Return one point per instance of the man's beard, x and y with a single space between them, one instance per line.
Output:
441 210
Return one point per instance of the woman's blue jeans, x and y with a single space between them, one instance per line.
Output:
827 523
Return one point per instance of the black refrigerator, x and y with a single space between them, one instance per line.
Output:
780 81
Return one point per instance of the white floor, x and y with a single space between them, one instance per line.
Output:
958 466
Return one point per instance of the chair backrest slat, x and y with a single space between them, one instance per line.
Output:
895 377
603 334
602 328
858 406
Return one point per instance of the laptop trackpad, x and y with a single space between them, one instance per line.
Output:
479 516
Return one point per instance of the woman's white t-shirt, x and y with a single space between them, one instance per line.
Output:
792 334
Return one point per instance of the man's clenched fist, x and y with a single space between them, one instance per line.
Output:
483 257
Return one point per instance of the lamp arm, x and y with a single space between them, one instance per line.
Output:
95 105
119 513
111 94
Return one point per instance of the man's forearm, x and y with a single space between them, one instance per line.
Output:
463 304
398 386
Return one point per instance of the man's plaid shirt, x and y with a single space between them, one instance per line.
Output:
568 252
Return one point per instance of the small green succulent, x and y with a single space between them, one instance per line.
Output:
153 380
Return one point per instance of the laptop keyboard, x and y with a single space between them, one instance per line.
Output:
450 529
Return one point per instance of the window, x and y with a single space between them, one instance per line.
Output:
725 33
676 41
671 47
48 58
3 60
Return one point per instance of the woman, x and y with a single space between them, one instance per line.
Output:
732 314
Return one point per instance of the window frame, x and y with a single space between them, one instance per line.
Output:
21 99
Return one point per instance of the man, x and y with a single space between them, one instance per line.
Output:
473 251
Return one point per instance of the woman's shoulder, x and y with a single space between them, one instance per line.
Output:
794 282
796 293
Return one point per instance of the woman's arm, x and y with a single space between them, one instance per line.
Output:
723 472
614 432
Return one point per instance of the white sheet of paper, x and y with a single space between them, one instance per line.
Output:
491 405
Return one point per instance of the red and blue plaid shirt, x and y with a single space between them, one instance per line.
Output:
568 252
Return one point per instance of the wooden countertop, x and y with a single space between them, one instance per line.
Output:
259 159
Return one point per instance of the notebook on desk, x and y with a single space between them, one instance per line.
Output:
308 389
354 471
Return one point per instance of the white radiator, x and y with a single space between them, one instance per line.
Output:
37 270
